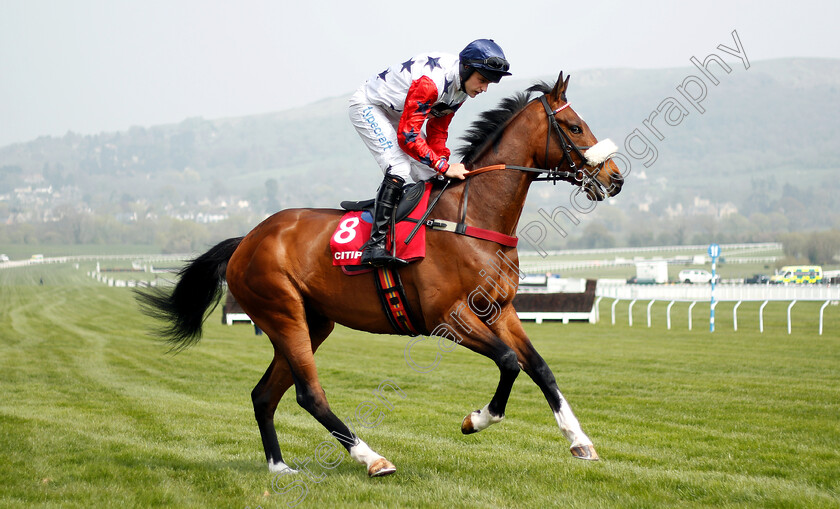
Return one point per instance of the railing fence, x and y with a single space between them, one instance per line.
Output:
723 293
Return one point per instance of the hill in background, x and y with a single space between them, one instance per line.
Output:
757 162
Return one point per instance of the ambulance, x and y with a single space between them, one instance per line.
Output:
798 274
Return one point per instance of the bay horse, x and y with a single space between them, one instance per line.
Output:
281 273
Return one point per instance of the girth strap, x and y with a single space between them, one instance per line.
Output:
391 293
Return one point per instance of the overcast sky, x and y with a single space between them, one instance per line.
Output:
104 65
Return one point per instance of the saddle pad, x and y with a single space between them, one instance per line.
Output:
354 230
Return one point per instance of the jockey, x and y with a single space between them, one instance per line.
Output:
389 112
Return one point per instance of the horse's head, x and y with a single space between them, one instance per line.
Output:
571 146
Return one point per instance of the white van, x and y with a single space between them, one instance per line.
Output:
696 276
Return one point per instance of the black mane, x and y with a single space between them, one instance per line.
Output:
490 124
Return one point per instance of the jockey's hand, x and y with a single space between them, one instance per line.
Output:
456 170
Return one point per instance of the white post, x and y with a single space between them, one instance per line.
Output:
630 312
735 315
597 310
761 316
668 313
821 315
689 313
712 315
788 313
649 305
613 310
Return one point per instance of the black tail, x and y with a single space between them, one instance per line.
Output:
186 306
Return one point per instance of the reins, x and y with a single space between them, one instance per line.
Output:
552 174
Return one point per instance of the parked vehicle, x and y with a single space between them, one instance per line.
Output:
695 276
651 272
831 277
758 279
798 274
635 280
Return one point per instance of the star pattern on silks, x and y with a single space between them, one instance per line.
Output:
410 136
425 160
432 62
446 84
407 65
423 107
383 74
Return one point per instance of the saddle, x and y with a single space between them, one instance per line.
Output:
411 195
353 230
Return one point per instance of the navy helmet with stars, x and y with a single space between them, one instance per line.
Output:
485 57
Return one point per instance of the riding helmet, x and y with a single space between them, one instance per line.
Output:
486 57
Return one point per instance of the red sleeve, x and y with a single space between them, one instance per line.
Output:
437 132
421 96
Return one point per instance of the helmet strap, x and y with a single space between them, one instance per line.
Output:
465 72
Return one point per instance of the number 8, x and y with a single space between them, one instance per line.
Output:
346 230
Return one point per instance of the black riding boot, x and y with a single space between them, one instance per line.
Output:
387 199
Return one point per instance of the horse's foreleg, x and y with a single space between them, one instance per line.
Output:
482 340
494 412
533 364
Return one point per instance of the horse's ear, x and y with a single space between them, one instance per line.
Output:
559 91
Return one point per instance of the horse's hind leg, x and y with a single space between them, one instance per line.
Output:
310 396
290 337
271 388
265 397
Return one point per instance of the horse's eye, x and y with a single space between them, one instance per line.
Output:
575 129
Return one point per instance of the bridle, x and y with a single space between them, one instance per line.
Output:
584 180
577 175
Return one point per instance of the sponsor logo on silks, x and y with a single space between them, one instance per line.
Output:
348 255
384 142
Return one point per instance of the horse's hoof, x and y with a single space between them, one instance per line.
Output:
479 421
381 468
467 427
584 452
281 467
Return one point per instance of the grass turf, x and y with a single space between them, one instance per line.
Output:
95 413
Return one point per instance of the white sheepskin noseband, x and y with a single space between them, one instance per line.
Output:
600 152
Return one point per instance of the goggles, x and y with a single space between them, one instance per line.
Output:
492 63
